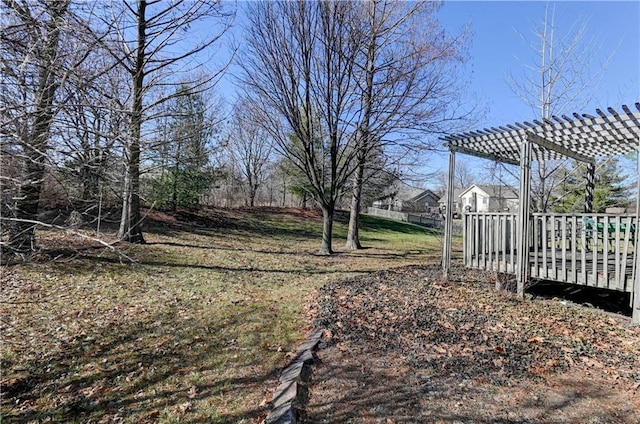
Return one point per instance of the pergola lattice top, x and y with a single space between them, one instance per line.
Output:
582 137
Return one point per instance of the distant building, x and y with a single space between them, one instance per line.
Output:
403 198
489 198
442 202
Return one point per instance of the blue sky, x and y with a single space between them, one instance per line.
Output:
497 49
496 45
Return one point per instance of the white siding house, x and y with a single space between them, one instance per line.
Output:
489 198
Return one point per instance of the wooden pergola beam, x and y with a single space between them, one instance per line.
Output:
590 188
482 155
636 291
522 229
542 142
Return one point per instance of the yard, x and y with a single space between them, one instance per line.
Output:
404 347
199 327
195 331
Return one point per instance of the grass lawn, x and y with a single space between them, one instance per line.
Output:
195 331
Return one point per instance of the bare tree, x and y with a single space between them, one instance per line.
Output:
299 64
463 177
406 74
556 80
150 40
35 63
250 146
91 125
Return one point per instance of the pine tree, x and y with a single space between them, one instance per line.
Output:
184 154
611 188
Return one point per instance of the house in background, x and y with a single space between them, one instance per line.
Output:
442 203
402 197
489 198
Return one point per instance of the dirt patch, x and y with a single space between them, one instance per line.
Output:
407 348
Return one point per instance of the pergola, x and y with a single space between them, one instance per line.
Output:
582 137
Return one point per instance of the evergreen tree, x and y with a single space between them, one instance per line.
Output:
611 188
184 154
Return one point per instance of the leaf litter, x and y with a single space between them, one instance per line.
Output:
405 347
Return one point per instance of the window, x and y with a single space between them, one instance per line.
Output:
484 200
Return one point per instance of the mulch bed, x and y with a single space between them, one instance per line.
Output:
405 347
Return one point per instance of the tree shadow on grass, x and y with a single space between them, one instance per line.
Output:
232 249
144 369
80 268
379 388
249 227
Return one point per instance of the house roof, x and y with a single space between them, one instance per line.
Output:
402 191
456 194
583 137
425 195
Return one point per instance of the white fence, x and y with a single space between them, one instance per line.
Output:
420 219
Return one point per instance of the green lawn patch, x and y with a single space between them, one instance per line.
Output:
196 330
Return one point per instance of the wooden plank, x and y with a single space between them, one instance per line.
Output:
583 254
500 254
605 253
465 240
545 232
594 268
448 224
536 246
621 284
485 239
522 273
491 244
476 239
500 242
483 155
472 237
482 242
574 247
513 243
589 188
636 263
554 244
563 238
542 142
616 249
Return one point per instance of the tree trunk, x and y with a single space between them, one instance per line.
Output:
35 144
353 235
130 222
89 174
327 230
541 206
24 238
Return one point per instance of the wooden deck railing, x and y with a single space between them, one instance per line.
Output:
588 249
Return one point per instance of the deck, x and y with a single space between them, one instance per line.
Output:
595 250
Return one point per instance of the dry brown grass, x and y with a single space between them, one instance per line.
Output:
195 331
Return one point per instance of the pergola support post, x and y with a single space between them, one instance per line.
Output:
636 290
591 183
448 219
522 235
